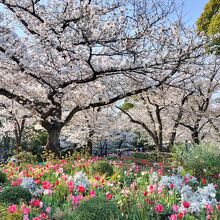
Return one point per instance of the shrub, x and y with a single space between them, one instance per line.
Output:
3 178
139 155
202 160
36 143
98 208
15 195
25 157
153 156
103 168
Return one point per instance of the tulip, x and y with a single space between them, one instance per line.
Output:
173 217
12 209
159 208
186 204
109 196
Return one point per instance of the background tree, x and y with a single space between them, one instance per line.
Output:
209 22
14 120
200 113
190 103
97 127
158 113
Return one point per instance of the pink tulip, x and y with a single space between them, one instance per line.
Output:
26 210
175 208
48 209
26 217
76 200
173 217
70 186
12 209
92 193
152 188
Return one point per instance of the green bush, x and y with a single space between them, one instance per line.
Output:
103 168
36 143
98 208
202 160
153 156
139 155
15 195
25 157
3 178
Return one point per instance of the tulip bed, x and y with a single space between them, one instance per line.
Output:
67 189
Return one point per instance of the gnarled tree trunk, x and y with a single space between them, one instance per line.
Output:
53 141
19 128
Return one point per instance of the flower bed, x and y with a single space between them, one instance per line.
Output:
63 189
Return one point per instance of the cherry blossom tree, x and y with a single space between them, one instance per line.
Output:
14 120
95 126
187 108
75 55
202 112
158 113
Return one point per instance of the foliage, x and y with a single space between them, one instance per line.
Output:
25 157
127 105
153 156
15 195
209 21
28 183
103 168
70 190
36 143
208 17
14 216
3 212
202 160
143 141
97 208
3 178
140 155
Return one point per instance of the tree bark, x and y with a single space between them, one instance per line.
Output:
89 147
19 128
53 141
195 137
160 128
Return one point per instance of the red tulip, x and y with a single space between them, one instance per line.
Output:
159 208
186 204
81 189
203 181
109 196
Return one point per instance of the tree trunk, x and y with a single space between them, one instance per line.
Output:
89 141
19 128
195 137
53 141
89 147
172 138
160 147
